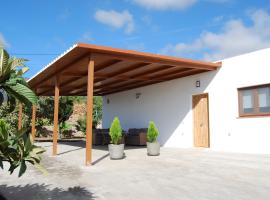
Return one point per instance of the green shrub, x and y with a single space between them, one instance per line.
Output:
10 116
17 149
116 131
152 132
40 123
45 108
65 129
97 111
81 124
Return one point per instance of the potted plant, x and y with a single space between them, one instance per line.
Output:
153 147
116 149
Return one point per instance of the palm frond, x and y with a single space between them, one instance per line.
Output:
4 59
21 71
17 62
21 92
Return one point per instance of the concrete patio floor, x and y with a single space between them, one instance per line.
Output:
185 174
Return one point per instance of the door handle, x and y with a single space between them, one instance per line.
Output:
201 125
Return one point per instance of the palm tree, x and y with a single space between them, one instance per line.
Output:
11 80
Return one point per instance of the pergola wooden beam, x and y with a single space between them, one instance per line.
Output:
55 116
161 68
81 88
144 80
79 91
100 67
159 59
135 85
160 77
131 68
145 73
89 117
185 73
75 78
102 75
58 71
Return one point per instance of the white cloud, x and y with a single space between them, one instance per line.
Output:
87 36
165 4
116 19
234 39
3 42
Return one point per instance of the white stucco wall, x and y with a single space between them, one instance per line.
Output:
169 105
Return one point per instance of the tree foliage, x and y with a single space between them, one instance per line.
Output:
81 124
97 115
116 131
152 132
11 80
16 147
97 111
45 108
65 129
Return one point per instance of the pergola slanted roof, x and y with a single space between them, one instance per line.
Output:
115 70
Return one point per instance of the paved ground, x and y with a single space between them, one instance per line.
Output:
185 174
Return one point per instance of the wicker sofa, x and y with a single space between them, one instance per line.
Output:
136 136
102 137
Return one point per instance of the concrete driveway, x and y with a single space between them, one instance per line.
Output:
184 174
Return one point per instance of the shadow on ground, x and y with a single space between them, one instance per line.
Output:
42 191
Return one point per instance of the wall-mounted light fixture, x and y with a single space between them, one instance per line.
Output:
108 101
138 95
198 83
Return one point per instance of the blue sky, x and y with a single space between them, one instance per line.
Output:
199 29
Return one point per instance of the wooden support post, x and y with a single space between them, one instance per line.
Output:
55 116
20 116
33 131
90 83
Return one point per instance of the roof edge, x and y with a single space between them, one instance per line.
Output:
106 49
53 61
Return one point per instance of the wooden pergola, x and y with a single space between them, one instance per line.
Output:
88 70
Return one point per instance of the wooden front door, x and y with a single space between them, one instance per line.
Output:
200 120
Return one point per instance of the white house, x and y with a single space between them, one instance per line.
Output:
223 106
238 97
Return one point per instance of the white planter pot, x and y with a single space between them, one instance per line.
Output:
153 149
116 151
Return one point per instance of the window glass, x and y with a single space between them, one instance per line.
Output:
248 104
264 99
